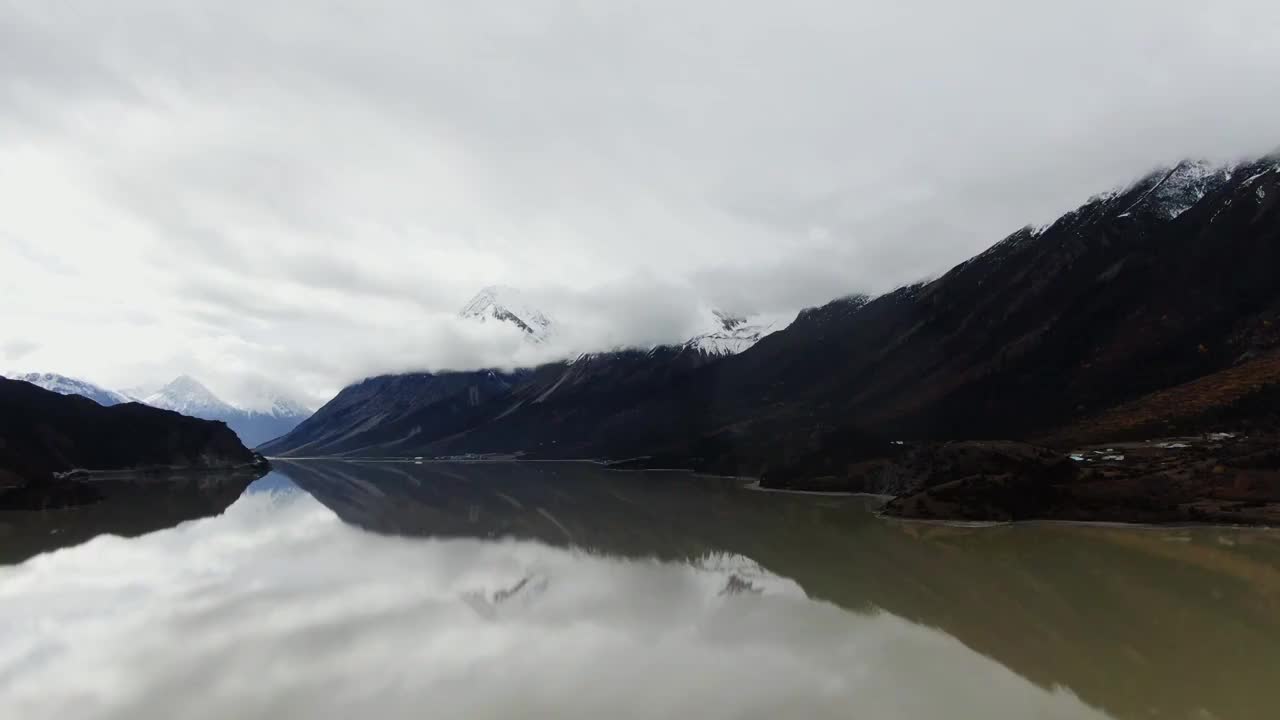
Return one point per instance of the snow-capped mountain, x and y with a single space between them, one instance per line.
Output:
729 334
284 407
724 334
506 304
64 385
188 396
1169 191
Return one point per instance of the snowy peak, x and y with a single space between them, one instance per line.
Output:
506 304
186 395
285 408
64 385
730 334
1175 190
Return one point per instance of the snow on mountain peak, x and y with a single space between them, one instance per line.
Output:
64 385
270 415
1168 192
730 334
285 407
507 304
1185 185
188 396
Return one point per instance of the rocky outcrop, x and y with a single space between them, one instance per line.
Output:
1216 478
909 468
1220 478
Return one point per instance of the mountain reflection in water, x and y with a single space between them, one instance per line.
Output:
563 590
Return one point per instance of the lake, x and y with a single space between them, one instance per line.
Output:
334 589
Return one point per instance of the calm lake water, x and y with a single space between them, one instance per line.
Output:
401 590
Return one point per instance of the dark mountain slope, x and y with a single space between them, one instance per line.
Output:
604 404
379 412
1146 288
1137 290
42 433
578 403
1114 300
1245 397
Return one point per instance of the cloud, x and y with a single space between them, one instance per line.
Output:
295 178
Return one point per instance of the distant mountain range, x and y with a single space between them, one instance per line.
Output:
186 395
1097 315
189 397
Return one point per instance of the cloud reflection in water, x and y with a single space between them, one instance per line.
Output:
278 609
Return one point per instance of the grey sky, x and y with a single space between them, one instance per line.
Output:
304 193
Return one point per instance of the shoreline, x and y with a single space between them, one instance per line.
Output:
754 485
1113 524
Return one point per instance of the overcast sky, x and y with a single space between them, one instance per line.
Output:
299 194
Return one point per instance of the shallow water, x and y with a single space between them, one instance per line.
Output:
399 590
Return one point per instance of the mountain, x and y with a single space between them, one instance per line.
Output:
379 411
188 396
185 394
1140 289
64 385
500 303
730 334
44 432
425 412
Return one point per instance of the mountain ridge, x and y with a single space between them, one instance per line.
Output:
1135 290
187 396
67 385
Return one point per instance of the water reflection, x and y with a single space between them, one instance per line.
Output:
128 507
1180 623
278 609
540 590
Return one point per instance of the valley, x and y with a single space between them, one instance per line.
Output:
639 360
980 395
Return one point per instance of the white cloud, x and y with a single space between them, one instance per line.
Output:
235 189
